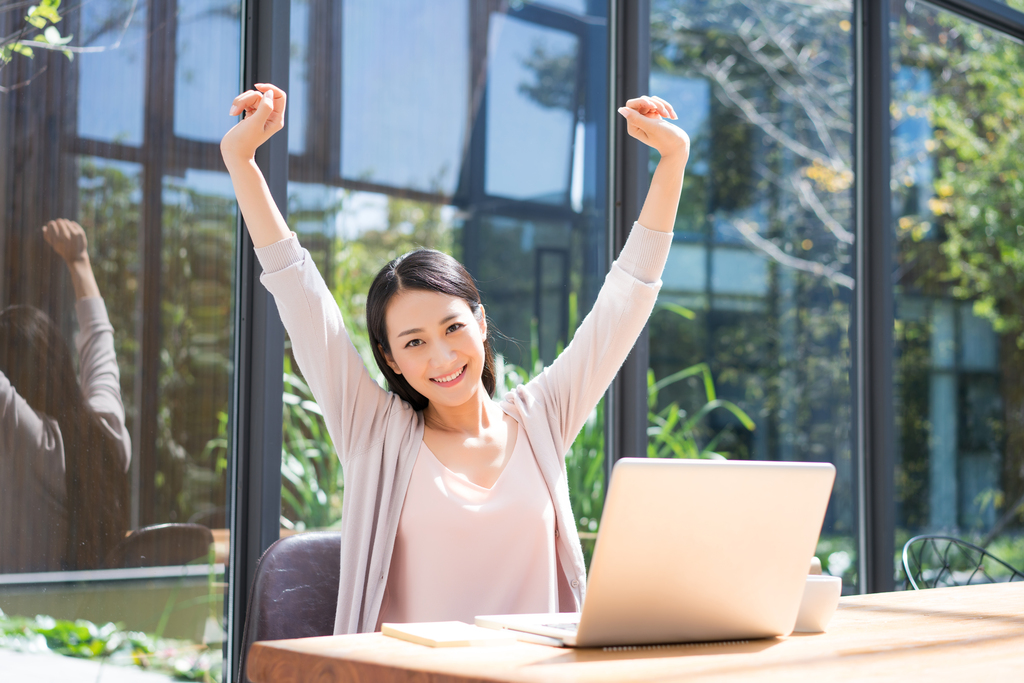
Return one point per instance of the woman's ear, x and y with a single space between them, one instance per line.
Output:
389 360
483 322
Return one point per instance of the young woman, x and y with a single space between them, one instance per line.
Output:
64 448
454 505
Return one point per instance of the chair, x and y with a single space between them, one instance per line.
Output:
162 545
294 591
936 561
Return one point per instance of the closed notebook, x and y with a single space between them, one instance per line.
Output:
447 634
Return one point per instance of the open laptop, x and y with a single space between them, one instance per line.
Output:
694 550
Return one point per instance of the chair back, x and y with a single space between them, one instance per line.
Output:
931 561
294 591
162 545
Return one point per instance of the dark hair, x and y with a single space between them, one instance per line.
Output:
430 271
37 362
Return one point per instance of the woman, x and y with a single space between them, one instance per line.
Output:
454 505
64 449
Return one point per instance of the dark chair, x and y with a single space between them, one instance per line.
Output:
294 591
938 561
162 545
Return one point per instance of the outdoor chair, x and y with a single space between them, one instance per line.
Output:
294 591
938 561
162 545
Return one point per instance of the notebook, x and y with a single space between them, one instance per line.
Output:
694 551
447 634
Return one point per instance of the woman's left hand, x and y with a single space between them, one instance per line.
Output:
645 120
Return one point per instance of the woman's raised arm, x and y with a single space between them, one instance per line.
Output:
264 115
644 122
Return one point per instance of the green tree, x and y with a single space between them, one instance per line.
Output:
968 240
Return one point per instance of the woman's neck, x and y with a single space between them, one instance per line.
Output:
472 417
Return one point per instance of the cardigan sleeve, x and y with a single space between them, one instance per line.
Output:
573 384
99 376
355 407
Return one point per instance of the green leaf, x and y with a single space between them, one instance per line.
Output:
678 310
22 49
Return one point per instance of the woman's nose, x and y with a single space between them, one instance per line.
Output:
443 355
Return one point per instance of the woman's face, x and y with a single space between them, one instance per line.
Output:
437 345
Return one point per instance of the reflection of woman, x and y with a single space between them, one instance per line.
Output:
454 505
64 449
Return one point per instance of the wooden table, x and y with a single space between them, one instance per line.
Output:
974 633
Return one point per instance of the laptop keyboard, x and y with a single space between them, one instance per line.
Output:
563 627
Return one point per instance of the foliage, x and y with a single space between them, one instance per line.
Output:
183 660
958 179
312 486
196 270
780 127
672 430
43 17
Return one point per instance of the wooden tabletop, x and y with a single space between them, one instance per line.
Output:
963 634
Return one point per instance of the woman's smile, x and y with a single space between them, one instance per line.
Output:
452 379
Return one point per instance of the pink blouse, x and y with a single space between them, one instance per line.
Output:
464 550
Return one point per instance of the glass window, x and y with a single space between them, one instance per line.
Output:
404 62
531 88
116 336
757 293
111 78
957 178
479 95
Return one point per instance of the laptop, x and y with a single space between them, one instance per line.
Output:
693 551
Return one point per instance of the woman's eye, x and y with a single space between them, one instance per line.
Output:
455 326
413 342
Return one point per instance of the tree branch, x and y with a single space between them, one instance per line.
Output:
720 74
810 200
748 230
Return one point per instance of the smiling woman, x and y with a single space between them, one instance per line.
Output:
454 505
432 307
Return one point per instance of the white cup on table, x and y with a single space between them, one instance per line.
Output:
821 597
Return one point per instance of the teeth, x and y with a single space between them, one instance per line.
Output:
450 377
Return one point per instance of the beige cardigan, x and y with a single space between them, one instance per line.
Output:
378 435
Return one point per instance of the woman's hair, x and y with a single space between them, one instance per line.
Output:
430 271
37 362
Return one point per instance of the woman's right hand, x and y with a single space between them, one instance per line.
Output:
67 239
264 115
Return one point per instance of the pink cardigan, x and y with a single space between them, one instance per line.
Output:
378 435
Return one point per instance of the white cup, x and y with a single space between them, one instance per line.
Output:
821 597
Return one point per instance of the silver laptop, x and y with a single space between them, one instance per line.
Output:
694 550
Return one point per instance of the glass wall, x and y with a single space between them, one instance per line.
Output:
959 225
490 145
115 333
750 346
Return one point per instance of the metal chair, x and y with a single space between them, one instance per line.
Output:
931 561
294 591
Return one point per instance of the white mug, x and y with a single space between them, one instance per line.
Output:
821 597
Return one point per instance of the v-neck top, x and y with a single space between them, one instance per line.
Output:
463 550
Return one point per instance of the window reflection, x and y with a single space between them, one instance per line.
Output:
111 92
531 110
759 280
407 62
208 33
956 185
106 143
